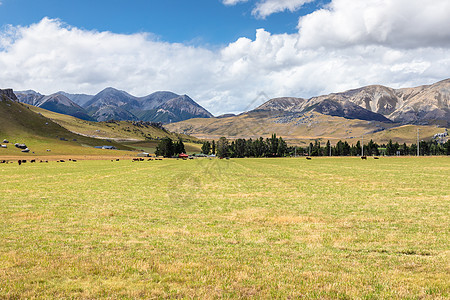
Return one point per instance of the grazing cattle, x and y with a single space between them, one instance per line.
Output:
376 157
62 160
32 161
19 162
24 161
141 159
117 159
363 157
3 162
74 160
135 159
308 158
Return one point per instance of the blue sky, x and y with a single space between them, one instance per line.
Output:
223 53
207 22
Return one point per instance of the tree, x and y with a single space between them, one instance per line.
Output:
165 148
273 145
239 148
222 147
179 147
282 147
206 147
213 147
390 148
328 148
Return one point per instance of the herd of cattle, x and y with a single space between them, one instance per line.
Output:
23 161
362 157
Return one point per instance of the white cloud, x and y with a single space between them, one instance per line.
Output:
334 50
267 7
393 23
233 2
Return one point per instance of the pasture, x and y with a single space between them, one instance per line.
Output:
240 228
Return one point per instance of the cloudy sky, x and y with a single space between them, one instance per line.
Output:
228 55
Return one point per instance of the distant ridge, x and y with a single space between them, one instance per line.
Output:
427 104
113 104
349 114
56 102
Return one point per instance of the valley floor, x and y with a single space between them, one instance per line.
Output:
240 228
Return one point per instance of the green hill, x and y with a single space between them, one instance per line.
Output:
20 124
136 135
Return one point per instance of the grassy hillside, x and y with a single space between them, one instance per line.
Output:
122 131
300 129
20 124
329 228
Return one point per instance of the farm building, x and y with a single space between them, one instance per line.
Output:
106 147
143 154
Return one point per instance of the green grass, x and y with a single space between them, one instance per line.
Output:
119 130
240 228
19 124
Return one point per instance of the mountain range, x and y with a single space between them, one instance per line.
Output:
113 104
349 114
423 105
427 104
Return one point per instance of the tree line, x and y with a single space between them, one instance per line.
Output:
277 147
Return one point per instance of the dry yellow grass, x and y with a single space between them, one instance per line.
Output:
329 228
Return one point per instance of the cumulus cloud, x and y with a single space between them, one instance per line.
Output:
233 2
267 7
393 23
326 55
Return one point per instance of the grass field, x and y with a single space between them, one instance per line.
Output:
240 228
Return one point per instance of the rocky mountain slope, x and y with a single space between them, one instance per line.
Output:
79 99
56 102
165 107
428 104
348 115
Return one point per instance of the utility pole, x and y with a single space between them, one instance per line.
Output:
418 148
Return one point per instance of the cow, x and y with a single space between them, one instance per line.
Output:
19 162
363 157
32 161
308 158
376 157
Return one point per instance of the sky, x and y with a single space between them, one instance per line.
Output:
228 55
